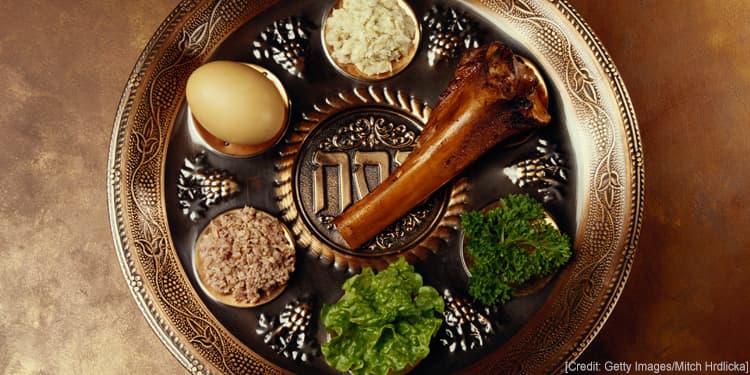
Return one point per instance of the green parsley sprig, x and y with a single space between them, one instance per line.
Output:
511 245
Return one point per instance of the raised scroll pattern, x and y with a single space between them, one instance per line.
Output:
408 223
370 132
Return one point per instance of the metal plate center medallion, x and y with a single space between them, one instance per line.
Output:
343 149
345 158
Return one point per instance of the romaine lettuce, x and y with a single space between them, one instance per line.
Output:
383 322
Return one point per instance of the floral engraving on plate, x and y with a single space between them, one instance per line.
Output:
393 234
466 327
199 186
290 334
545 172
450 33
370 132
286 42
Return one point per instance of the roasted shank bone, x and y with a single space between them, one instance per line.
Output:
494 94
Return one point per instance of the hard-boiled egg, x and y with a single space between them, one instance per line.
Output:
238 103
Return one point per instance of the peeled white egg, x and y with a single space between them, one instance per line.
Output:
236 103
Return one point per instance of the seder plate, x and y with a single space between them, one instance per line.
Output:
165 184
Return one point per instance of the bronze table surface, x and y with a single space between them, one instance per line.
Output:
65 307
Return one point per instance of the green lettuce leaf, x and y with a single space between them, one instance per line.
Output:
383 322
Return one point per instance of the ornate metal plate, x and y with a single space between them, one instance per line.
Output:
345 136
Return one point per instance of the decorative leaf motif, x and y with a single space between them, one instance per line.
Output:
151 146
158 245
588 288
614 179
608 185
146 248
140 142
195 40
208 340
151 245
584 84
205 333
522 7
148 140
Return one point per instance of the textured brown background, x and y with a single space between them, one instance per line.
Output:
64 305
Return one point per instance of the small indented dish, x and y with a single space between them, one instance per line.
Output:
237 109
530 287
244 257
371 40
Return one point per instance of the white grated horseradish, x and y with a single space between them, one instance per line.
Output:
371 34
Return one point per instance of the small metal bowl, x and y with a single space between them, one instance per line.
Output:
350 70
229 300
528 288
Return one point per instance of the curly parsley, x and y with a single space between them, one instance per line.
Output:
511 245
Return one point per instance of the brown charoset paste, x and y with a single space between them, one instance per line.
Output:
246 254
